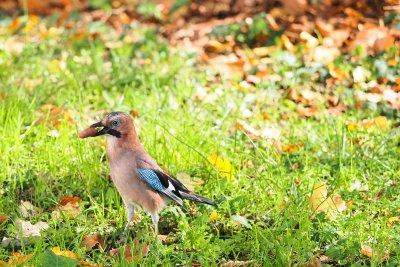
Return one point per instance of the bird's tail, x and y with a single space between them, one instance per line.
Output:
194 197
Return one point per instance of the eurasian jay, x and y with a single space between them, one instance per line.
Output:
136 175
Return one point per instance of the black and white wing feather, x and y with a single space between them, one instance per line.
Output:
170 186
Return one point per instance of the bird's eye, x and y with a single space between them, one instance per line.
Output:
115 123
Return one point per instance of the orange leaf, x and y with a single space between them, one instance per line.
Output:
90 241
366 250
69 199
3 218
69 210
17 259
291 148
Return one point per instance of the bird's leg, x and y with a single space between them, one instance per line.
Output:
155 218
131 212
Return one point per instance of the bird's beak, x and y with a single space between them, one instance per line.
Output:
102 131
105 130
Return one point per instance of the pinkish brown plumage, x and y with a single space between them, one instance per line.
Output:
137 177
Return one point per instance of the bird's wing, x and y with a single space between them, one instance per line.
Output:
162 183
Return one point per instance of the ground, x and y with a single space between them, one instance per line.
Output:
257 148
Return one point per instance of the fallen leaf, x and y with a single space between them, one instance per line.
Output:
132 252
232 263
382 122
26 209
65 253
294 7
360 74
320 201
69 210
313 262
223 166
324 55
31 230
241 220
247 129
69 254
289 149
49 258
69 199
213 46
307 111
90 241
392 221
382 44
68 207
366 250
3 218
325 259
17 259
310 41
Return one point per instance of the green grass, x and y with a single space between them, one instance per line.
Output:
180 132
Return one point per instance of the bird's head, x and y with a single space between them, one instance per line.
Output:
116 124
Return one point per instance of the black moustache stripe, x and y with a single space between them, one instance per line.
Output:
114 133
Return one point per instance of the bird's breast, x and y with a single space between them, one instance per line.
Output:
131 188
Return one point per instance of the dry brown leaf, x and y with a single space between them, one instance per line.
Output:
294 7
324 55
3 218
26 209
310 41
383 44
132 252
337 110
367 38
313 262
31 230
213 46
17 259
247 129
90 241
325 259
69 210
307 111
232 263
69 199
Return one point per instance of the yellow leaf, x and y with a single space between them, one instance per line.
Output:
393 220
223 166
321 202
72 255
65 253
382 122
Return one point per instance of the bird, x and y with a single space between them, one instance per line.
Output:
138 178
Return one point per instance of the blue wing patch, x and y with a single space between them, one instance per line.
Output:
151 178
